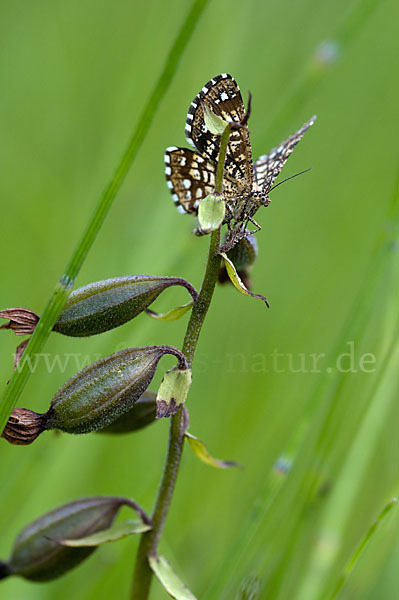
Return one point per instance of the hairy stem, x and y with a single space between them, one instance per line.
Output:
149 541
66 282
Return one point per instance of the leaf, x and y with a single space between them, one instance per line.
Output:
211 213
203 454
117 532
236 281
172 315
169 580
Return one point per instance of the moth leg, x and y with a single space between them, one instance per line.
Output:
233 237
258 227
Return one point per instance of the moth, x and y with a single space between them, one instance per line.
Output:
191 174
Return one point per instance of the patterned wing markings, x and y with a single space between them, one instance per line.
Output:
189 176
222 96
268 166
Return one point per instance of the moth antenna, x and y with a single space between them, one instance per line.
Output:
288 178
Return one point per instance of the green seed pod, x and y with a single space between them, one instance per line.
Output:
141 415
105 390
37 556
103 305
97 396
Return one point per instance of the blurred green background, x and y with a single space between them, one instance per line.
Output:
74 76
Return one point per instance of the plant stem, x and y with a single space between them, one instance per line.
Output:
66 283
352 562
149 541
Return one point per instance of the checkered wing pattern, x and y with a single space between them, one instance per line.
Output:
222 96
189 176
268 166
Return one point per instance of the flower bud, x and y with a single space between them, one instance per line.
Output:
211 213
173 391
38 556
103 305
142 414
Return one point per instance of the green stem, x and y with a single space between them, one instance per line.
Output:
148 546
149 540
66 283
351 564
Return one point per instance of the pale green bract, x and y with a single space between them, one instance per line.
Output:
169 580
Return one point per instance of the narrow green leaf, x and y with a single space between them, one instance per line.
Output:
203 454
169 580
370 532
172 315
236 281
117 532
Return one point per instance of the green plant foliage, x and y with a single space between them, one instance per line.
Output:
117 532
169 580
75 78
200 449
171 315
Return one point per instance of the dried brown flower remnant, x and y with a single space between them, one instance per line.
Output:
21 320
23 427
19 350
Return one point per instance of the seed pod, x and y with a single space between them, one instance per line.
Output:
141 415
103 305
105 390
96 396
37 556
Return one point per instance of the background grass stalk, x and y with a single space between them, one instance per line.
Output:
149 541
352 563
66 283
